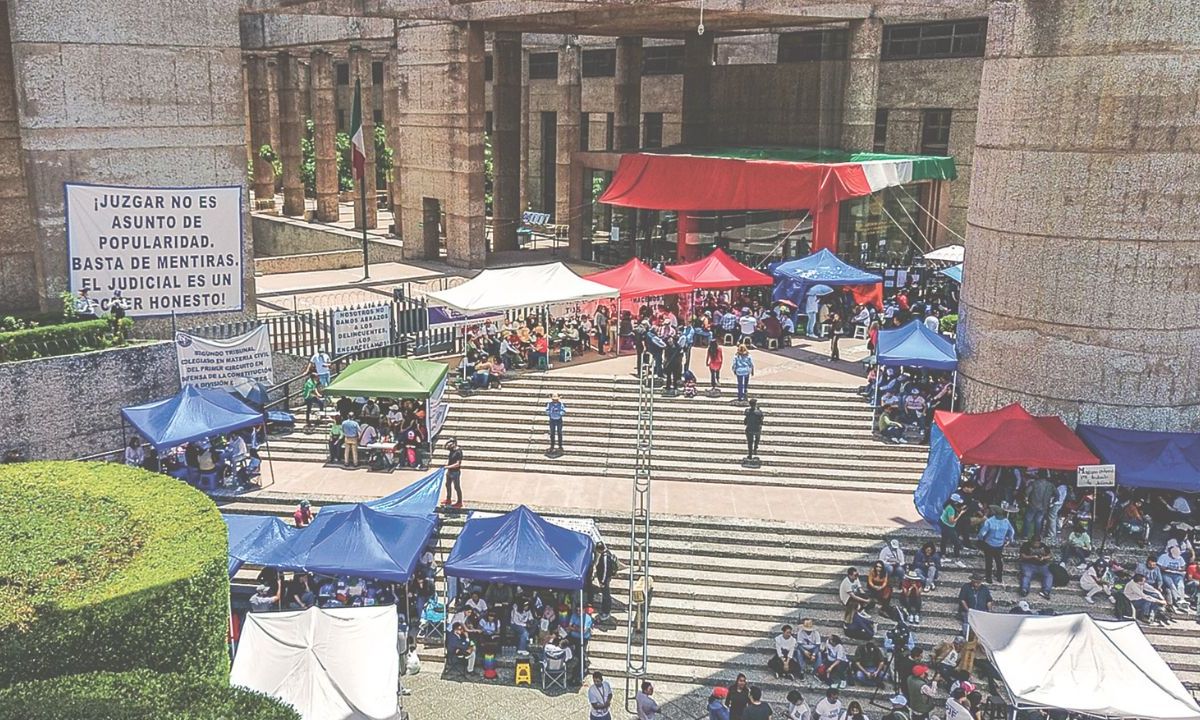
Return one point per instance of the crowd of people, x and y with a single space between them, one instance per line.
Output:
228 460
905 400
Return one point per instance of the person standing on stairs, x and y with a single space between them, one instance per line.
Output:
743 368
754 422
555 410
714 360
453 473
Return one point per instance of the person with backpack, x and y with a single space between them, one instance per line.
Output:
753 421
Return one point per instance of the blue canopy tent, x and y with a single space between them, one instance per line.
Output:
954 272
1146 459
361 542
253 537
794 278
420 499
914 345
522 548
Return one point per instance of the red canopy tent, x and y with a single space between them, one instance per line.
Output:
636 279
718 271
1011 437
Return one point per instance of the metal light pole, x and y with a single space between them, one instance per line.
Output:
637 653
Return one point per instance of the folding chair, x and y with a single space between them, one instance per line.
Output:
860 332
554 673
433 622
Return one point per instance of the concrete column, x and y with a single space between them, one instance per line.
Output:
391 101
360 69
862 84
258 83
627 94
697 88
1082 261
506 140
570 100
324 135
525 120
291 120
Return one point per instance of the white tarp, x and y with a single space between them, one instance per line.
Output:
168 250
216 363
950 253
1075 663
495 290
340 663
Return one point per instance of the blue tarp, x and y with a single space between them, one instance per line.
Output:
419 499
193 414
939 480
953 272
915 345
793 278
360 542
253 537
521 548
1145 459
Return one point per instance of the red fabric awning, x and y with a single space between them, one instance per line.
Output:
691 182
1011 437
636 279
718 271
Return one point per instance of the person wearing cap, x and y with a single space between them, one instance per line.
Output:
995 533
808 647
1021 608
453 468
303 515
716 704
264 600
829 707
921 691
911 588
555 411
973 596
892 557
899 709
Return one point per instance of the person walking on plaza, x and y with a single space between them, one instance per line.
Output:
600 697
996 533
647 706
754 422
350 431
835 332
453 474
555 410
603 574
713 359
743 368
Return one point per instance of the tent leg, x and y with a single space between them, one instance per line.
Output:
267 447
954 391
582 639
875 407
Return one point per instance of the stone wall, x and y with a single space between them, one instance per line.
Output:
276 236
18 261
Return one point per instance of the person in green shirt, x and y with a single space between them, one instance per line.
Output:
889 427
949 525
335 440
311 393
1078 547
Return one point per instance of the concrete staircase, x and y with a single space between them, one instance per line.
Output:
723 588
814 437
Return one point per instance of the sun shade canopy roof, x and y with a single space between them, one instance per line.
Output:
1159 460
516 287
915 345
716 272
521 548
390 377
191 414
1011 437
636 279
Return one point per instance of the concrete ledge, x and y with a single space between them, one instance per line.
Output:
286 244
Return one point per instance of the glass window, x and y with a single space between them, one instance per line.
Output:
935 132
881 118
342 72
599 63
813 45
928 41
652 128
487 68
543 66
377 117
662 60
377 73
871 229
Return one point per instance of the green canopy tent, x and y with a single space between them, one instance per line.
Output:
393 377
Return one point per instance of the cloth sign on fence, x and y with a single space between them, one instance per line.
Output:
215 363
435 417
364 328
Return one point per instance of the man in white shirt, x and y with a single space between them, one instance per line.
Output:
747 323
600 697
932 322
851 594
319 363
783 662
829 707
476 603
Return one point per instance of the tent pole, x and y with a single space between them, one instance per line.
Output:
582 638
270 459
954 391
875 408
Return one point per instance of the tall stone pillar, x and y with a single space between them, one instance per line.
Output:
360 69
862 84
568 177
697 89
324 135
506 140
259 91
627 95
291 120
391 101
525 120
1082 261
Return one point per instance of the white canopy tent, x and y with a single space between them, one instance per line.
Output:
949 254
339 663
1076 663
505 288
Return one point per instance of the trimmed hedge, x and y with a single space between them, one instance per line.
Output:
64 339
105 567
137 695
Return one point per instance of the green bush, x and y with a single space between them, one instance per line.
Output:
137 695
105 567
64 339
948 323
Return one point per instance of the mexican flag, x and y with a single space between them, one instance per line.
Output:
358 146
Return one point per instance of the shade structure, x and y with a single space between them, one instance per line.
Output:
326 663
521 548
949 253
445 317
390 377
1011 437
693 179
253 537
1075 663
635 279
420 499
718 271
796 278
1146 459
915 345
955 273
360 542
529 285
191 414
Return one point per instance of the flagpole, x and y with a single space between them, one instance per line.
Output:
360 170
362 188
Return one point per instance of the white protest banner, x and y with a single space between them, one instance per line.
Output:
1096 476
168 250
216 363
437 411
361 328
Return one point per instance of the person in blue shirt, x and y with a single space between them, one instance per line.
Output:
743 368
555 410
996 532
350 431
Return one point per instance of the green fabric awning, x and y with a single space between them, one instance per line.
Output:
924 167
389 377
